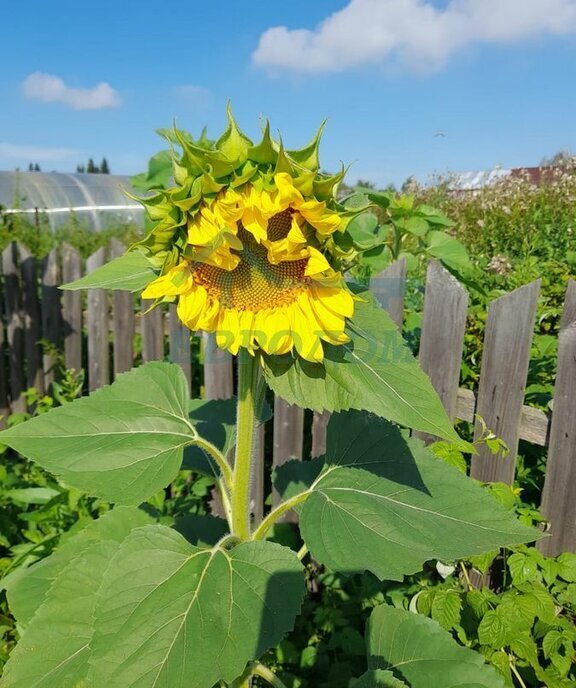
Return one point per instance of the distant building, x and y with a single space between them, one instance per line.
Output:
473 181
97 200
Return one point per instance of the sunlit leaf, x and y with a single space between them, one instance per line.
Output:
130 272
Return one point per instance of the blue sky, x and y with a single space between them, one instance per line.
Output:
496 77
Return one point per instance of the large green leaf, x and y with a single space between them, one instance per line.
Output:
130 272
376 678
423 654
385 503
122 443
375 371
27 587
171 615
215 421
55 647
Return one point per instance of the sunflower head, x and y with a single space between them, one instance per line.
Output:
249 242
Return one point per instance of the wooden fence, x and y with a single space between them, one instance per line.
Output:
100 332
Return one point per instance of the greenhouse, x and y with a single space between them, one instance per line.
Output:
95 200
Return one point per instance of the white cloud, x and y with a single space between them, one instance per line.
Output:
13 152
48 88
415 32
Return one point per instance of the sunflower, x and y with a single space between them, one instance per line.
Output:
248 247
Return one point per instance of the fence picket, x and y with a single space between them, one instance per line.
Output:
51 315
180 349
319 428
442 338
98 335
218 371
152 328
509 330
288 436
123 320
31 317
559 495
72 308
389 288
15 327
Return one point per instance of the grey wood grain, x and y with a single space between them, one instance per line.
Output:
51 313
559 495
389 288
97 325
123 320
288 440
32 319
14 327
180 348
218 370
442 338
507 342
152 325
319 429
72 308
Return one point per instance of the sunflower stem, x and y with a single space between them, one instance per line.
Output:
245 426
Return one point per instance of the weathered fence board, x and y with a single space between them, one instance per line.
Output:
123 318
31 320
72 308
15 326
442 338
4 402
98 347
288 435
559 496
152 328
319 427
51 323
218 372
389 288
505 359
180 349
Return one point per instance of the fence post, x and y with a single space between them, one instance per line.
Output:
123 320
180 349
72 308
152 328
31 316
389 288
98 347
559 495
505 359
15 327
51 315
288 440
442 339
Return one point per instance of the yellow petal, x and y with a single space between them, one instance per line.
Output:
317 263
288 194
176 281
191 305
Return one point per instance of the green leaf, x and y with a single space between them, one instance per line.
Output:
171 615
233 142
417 226
448 250
32 495
385 503
492 630
122 443
376 678
55 647
567 566
130 272
294 477
158 175
375 371
202 530
446 608
423 654
27 587
362 229
308 156
522 568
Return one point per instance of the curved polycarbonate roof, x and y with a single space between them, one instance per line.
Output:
96 199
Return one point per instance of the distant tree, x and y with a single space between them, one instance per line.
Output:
37 168
104 169
366 184
91 167
80 169
30 167
561 157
